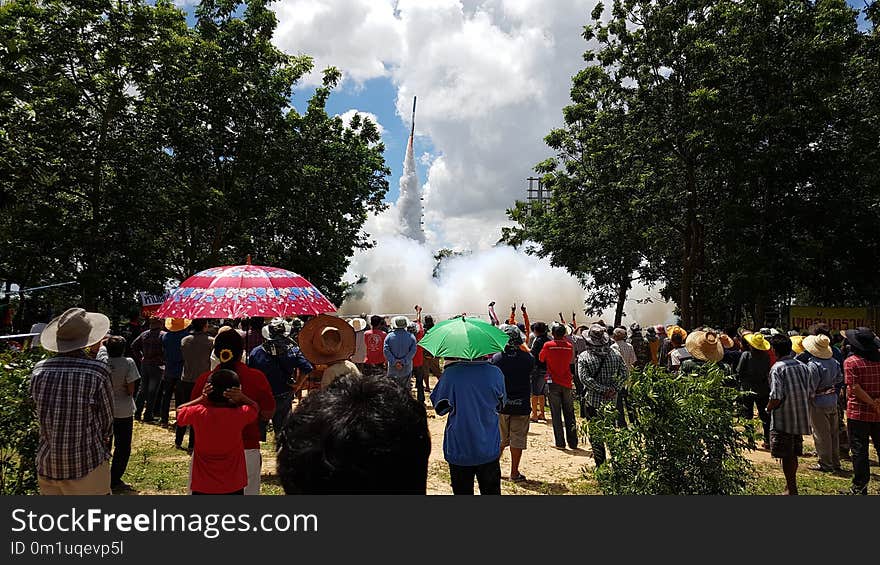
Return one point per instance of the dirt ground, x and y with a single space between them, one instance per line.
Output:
157 468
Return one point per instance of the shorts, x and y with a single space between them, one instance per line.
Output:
539 383
783 444
514 430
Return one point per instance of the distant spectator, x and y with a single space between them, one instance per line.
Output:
176 330
557 355
148 352
123 376
516 365
196 352
862 373
374 338
400 350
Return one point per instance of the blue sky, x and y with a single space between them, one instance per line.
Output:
376 96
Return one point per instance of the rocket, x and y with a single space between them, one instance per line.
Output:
412 132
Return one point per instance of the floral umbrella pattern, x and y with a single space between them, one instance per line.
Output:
245 291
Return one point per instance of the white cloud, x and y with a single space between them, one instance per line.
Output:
349 114
492 77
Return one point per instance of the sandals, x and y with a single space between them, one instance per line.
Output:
518 479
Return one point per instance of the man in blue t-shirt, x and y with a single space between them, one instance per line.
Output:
471 393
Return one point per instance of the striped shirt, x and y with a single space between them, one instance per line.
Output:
599 377
74 402
791 383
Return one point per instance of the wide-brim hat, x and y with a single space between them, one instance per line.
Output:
74 329
359 324
275 329
861 339
797 343
176 324
757 341
399 322
704 346
818 346
670 330
325 339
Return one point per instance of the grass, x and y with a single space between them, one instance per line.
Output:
157 467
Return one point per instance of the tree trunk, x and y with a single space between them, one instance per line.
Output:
622 292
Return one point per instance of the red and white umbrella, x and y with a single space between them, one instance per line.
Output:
245 291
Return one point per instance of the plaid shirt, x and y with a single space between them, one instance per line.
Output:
74 402
791 382
866 374
599 378
148 347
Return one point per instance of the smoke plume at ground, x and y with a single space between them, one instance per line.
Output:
399 275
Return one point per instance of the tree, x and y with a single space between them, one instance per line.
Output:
732 128
135 150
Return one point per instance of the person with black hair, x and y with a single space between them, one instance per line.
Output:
539 373
218 415
374 338
360 435
123 377
513 417
432 364
789 407
228 348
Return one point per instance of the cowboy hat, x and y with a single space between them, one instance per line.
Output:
861 339
399 322
704 346
757 341
277 328
325 339
797 343
176 324
359 324
818 346
74 329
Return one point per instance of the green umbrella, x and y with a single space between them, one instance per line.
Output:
465 338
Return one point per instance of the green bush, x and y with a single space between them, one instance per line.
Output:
686 437
19 432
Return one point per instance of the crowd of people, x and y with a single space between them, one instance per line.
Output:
346 399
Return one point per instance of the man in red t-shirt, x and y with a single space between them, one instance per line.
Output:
557 355
218 416
254 385
374 339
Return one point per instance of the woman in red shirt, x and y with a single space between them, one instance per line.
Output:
218 417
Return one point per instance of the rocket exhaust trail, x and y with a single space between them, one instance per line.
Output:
409 205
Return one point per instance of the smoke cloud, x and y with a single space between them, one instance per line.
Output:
399 275
409 204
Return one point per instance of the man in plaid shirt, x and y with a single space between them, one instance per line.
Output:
862 374
790 393
74 404
603 373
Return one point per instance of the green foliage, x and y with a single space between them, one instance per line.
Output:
135 149
686 438
19 432
705 142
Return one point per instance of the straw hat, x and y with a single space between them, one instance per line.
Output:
359 324
399 322
726 341
676 330
74 329
176 324
818 346
757 341
797 343
325 339
704 346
